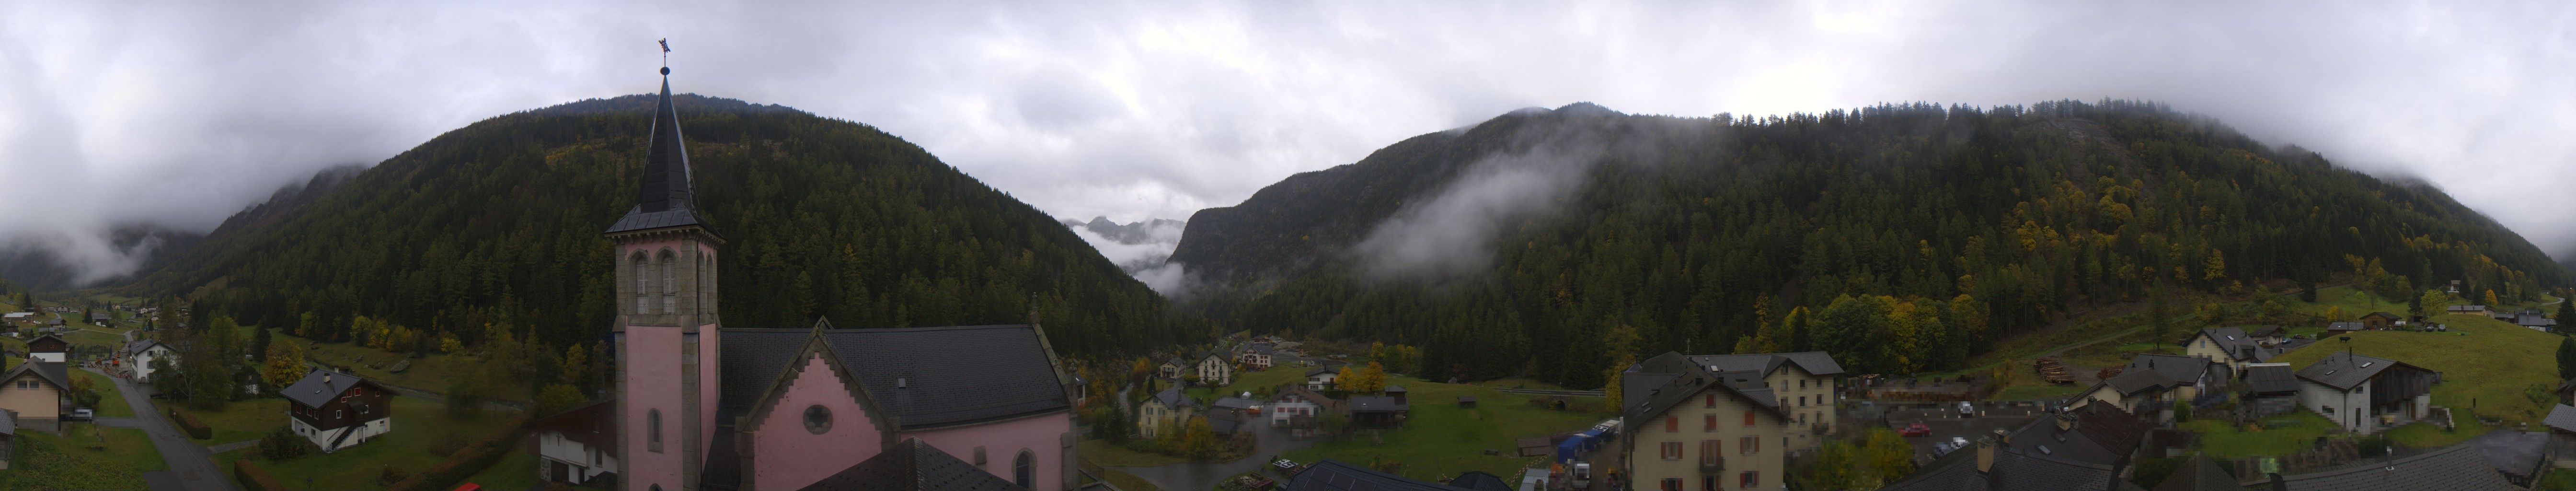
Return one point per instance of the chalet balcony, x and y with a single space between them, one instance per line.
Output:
1712 466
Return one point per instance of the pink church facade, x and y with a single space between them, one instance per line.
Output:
702 406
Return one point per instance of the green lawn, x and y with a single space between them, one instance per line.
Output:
246 420
1440 439
2481 360
1113 455
2425 435
1128 482
1513 383
430 373
417 424
111 403
2274 436
514 472
48 462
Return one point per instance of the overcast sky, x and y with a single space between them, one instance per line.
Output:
183 112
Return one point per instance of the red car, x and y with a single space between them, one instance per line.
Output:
1917 429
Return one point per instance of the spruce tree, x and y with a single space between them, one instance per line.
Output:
2566 358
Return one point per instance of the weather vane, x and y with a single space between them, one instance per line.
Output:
666 56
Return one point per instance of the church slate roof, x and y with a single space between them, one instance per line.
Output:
926 376
913 466
666 199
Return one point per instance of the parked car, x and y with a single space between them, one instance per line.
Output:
1916 429
1967 409
1944 448
79 415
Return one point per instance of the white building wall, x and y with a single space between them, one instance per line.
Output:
322 438
52 357
586 462
2349 409
1280 411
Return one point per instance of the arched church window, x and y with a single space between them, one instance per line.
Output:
670 288
653 429
643 280
1024 469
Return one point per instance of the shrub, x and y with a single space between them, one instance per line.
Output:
284 444
393 475
188 422
466 461
253 478
447 445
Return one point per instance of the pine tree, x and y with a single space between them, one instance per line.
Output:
2566 358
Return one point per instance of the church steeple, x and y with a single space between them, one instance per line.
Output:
666 167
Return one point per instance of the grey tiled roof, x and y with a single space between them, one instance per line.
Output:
1333 475
1659 383
2515 453
1172 398
1376 404
2455 468
2343 326
2136 381
2014 470
2181 369
2345 370
2561 418
1814 362
948 375
2101 434
2273 379
2199 474
314 391
1232 402
913 466
137 347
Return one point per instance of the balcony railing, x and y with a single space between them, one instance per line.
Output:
1707 466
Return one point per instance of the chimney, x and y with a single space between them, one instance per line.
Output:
1986 454
2065 423
326 377
2003 436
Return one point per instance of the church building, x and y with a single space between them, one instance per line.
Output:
702 406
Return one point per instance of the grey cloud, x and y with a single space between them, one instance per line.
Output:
1151 109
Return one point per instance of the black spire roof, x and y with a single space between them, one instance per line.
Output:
666 198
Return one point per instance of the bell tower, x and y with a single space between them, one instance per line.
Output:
666 325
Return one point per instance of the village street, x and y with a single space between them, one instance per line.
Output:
192 466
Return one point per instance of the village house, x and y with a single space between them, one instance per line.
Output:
1803 382
2533 319
39 392
1297 408
336 410
2340 328
1255 356
2269 389
2380 321
1381 412
2455 467
139 356
2234 347
1172 368
2272 334
2151 384
1214 370
1232 416
2466 310
49 348
1166 410
100 319
2365 394
701 406
576 446
1684 422
1322 378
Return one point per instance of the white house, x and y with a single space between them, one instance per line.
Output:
1322 378
1214 370
576 446
2365 394
140 355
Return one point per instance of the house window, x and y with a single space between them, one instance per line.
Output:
1708 483
1711 399
818 419
1749 445
1711 453
979 455
1748 418
1024 469
1672 484
1749 480
1708 422
1673 424
1672 450
1802 401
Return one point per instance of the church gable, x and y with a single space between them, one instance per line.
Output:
813 421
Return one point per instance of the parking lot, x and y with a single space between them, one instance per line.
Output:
1946 421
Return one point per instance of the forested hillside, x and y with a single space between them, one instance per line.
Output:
498 223
1901 237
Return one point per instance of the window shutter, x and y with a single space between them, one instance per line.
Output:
1748 418
1708 422
1672 424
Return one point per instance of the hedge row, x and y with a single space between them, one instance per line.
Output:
253 478
465 462
195 428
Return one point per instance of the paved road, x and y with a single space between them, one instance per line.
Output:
1206 475
192 468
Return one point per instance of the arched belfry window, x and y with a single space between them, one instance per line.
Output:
670 285
643 280
706 283
653 429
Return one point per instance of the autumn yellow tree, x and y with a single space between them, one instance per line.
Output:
2491 299
285 363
